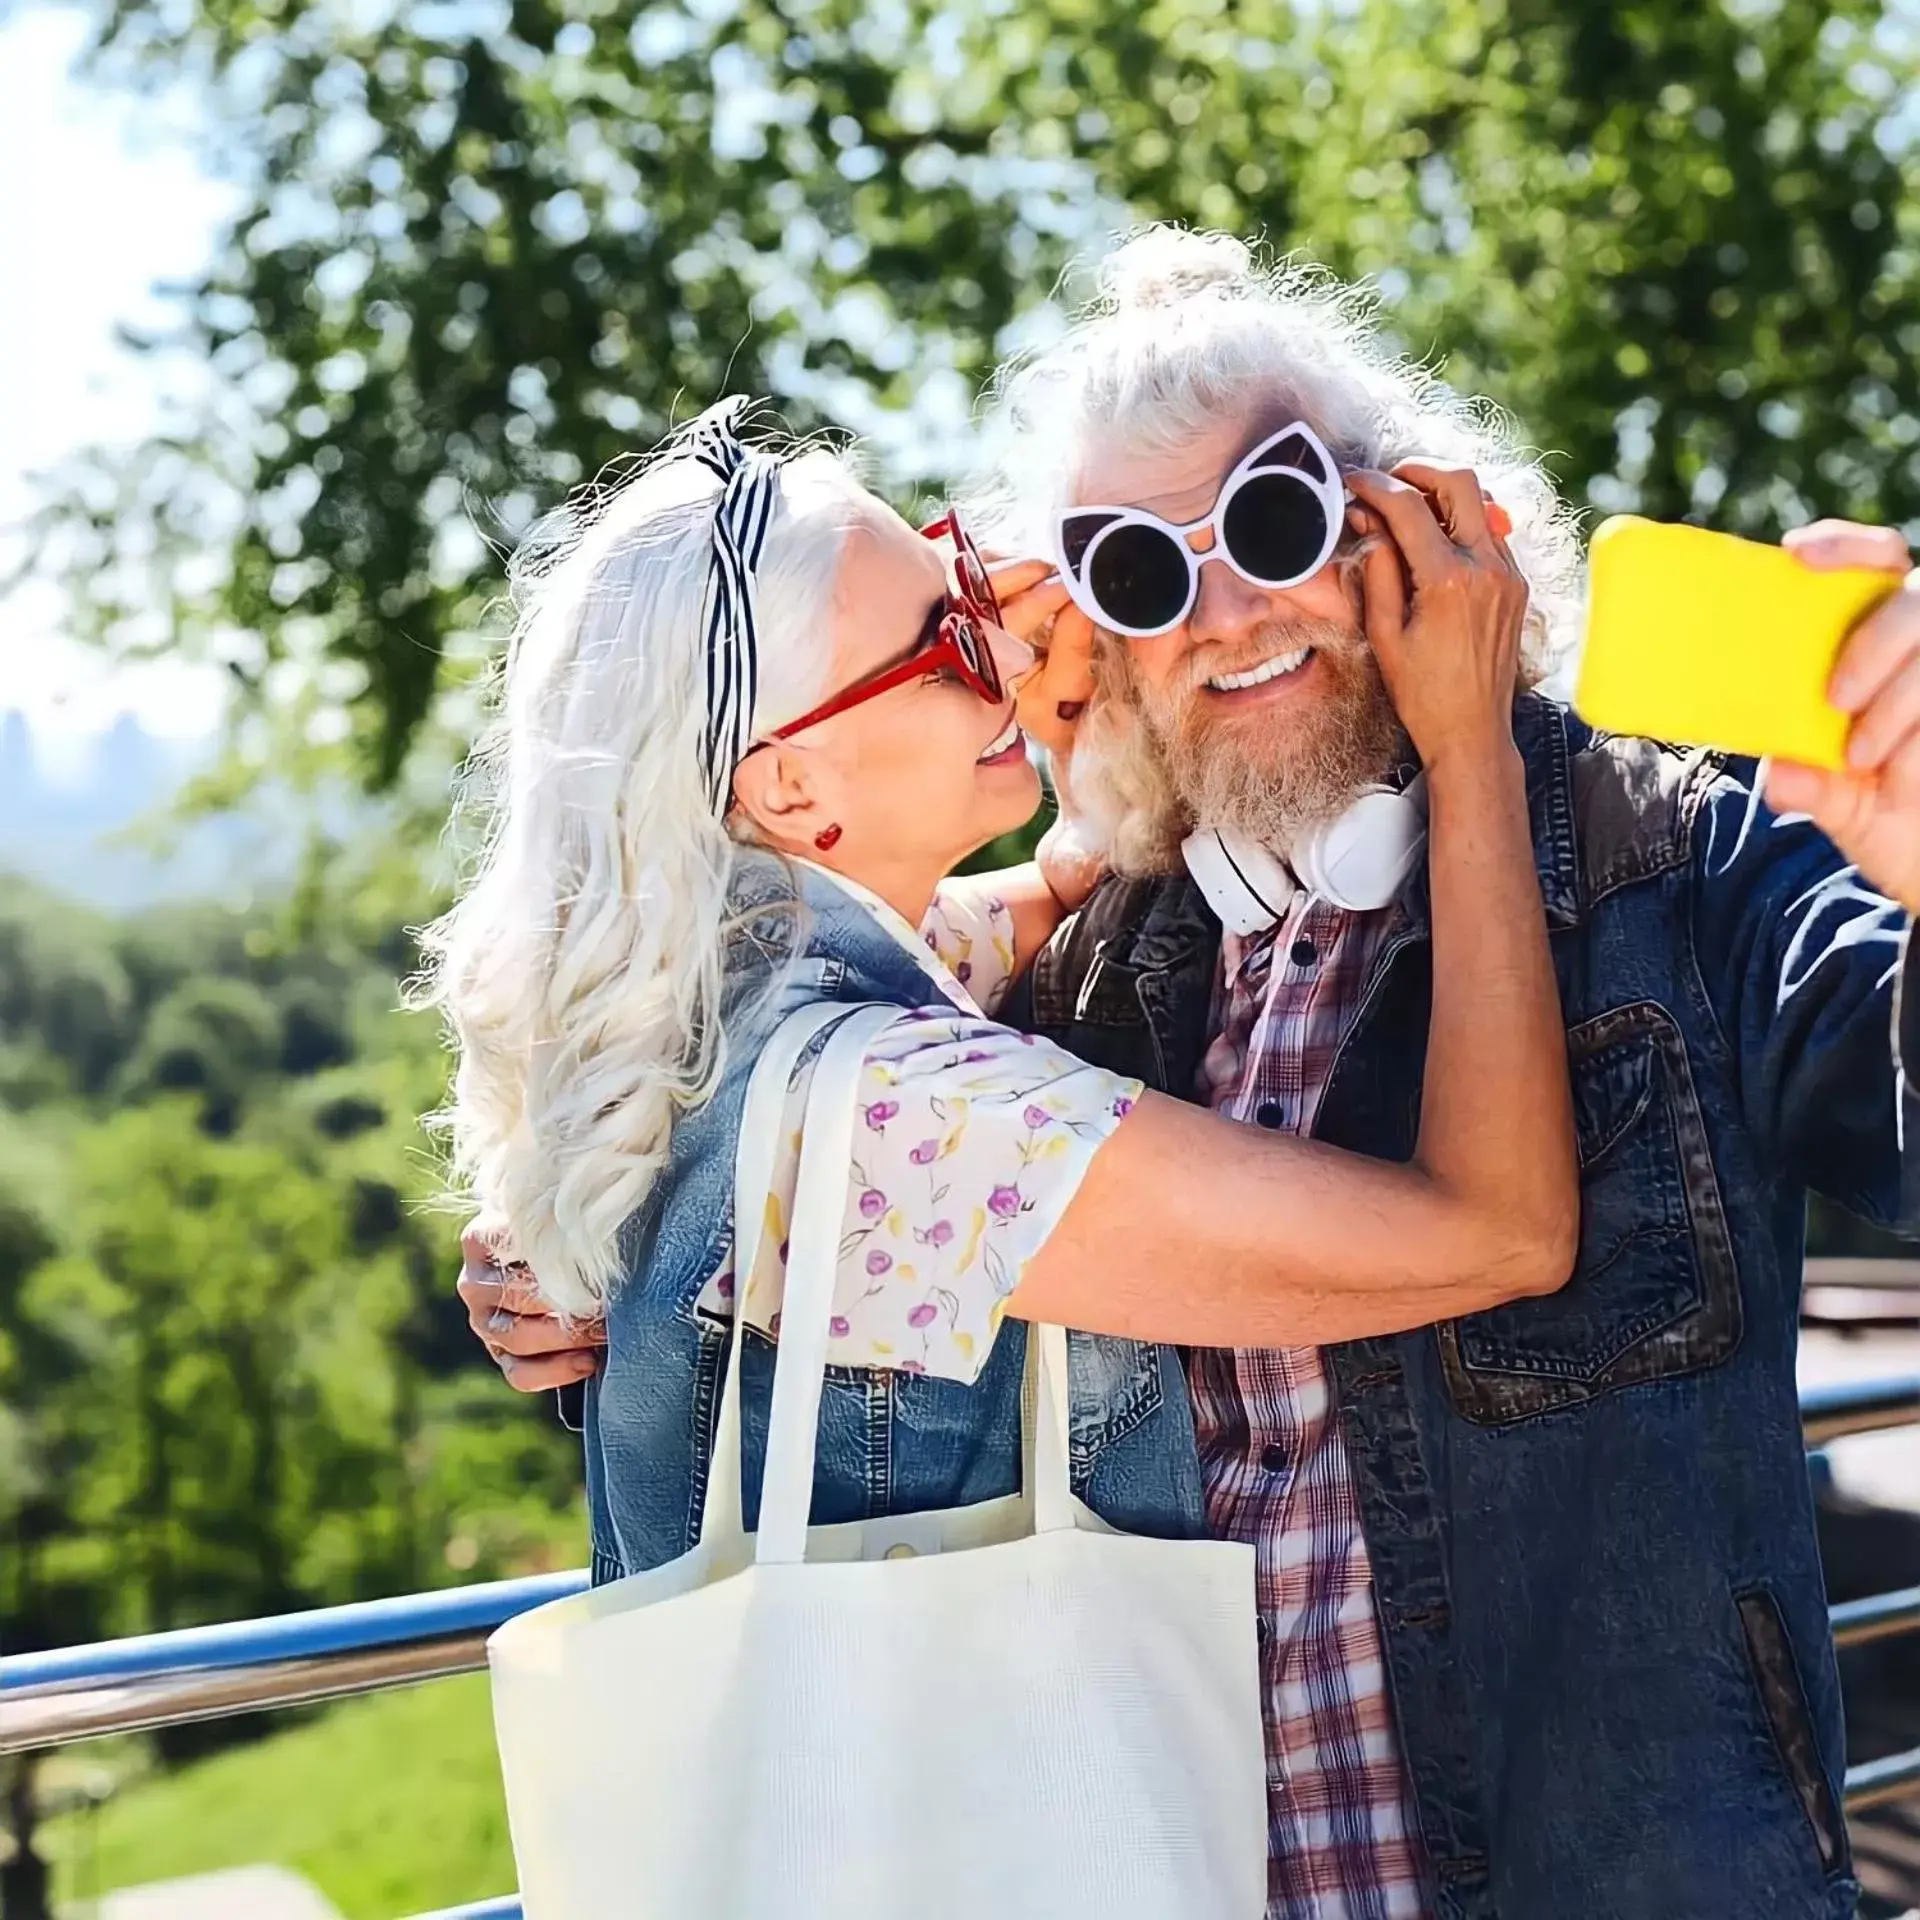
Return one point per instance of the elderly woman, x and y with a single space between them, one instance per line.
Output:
752 721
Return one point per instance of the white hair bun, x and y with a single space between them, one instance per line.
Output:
1164 265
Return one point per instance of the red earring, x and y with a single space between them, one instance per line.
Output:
827 838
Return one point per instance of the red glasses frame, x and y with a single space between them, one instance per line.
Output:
961 645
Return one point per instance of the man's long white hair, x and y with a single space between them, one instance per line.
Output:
1186 330
579 973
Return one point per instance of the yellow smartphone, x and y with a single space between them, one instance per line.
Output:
1714 641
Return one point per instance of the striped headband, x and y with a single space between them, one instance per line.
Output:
749 482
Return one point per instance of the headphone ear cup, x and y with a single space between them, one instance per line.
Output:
1246 884
1361 860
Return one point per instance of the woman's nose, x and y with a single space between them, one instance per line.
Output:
1013 657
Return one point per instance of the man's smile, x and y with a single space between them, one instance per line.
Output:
1270 676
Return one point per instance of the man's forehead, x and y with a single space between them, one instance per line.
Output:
1178 483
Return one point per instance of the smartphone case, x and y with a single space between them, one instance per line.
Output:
1709 640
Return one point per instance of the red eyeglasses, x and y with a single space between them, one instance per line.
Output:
960 643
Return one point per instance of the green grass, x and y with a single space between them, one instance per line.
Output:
390 1805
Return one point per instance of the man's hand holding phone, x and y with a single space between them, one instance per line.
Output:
1870 809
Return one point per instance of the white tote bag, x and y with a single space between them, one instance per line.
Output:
1000 1712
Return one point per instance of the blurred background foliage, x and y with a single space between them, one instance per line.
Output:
494 246
491 248
234 1378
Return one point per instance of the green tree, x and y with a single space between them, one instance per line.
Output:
210 1036
67 1007
491 250
233 1376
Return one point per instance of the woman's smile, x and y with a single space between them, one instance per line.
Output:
1006 748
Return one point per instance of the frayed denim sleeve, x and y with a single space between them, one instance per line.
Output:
1906 1046
1810 974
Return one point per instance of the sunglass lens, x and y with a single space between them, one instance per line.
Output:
1139 578
974 650
1275 527
971 572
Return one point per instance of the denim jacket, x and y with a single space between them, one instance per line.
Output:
889 1442
1589 1514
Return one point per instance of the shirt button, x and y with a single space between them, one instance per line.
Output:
1274 1458
1270 1114
1303 953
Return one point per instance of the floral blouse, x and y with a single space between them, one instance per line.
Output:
971 1141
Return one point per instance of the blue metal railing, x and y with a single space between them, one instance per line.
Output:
203 1673
450 1613
1841 1407
199 1673
1877 1618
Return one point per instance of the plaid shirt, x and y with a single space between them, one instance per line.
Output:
1341 1829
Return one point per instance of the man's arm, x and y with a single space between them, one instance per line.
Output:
1870 810
1802 963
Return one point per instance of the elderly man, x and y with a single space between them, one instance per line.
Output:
1545 1632
1543 1629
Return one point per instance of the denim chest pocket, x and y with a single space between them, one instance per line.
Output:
1655 1291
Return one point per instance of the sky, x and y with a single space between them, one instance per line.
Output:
104 201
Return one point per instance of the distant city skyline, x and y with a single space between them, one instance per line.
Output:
72 806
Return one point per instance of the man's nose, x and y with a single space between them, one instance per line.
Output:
1227 606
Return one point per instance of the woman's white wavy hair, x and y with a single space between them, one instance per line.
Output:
1187 329
579 973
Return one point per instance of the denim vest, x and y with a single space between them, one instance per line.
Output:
889 1442
1589 1515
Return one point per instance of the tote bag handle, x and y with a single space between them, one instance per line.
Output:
813 1243
758 1146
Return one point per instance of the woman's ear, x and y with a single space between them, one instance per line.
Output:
778 789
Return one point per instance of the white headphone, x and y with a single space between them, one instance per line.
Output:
1358 861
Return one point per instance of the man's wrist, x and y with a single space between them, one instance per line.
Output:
1476 767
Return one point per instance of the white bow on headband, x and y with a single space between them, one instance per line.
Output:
749 481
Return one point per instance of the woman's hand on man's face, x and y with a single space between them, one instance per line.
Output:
530 1344
1871 811
1035 608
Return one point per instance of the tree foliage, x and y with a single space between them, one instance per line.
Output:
233 1377
493 247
